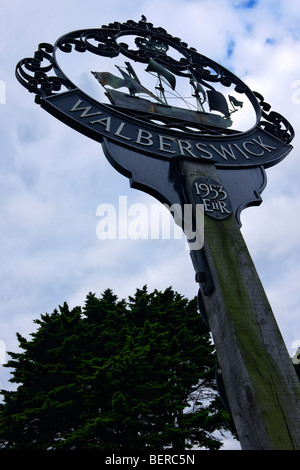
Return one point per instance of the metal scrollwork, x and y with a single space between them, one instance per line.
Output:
43 76
273 122
33 73
152 44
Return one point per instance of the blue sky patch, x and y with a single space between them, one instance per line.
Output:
270 41
230 48
247 4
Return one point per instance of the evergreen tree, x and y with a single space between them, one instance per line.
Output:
115 375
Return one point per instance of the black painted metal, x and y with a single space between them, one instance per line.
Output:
43 75
148 152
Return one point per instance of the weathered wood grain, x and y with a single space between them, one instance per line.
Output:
261 385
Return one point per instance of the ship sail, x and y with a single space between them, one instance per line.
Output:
107 78
134 86
131 71
162 72
217 102
199 94
235 102
199 89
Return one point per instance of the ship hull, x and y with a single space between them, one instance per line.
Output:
127 101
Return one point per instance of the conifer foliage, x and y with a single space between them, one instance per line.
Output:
115 375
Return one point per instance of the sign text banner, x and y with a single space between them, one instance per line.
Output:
96 120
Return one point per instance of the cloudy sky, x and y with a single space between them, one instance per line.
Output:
53 180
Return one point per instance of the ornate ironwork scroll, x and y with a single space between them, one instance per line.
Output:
43 75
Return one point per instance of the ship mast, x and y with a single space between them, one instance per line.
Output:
161 90
160 72
198 91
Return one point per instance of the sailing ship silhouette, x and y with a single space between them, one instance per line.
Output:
160 105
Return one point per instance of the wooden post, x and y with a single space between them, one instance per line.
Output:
261 385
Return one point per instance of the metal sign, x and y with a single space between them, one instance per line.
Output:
96 120
189 132
214 198
188 113
198 126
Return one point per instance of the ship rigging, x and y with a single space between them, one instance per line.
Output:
196 112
